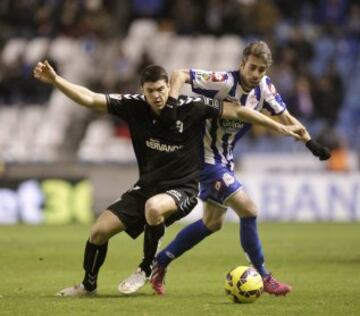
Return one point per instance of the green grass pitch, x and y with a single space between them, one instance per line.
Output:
321 261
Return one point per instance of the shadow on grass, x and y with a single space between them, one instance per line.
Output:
101 296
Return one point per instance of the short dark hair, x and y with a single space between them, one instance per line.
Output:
153 73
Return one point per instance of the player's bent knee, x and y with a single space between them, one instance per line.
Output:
214 226
152 213
99 235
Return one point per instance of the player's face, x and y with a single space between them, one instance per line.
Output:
251 72
156 94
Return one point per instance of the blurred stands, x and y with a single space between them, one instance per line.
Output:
104 44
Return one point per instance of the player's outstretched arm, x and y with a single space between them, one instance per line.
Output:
287 119
235 111
177 80
79 94
317 149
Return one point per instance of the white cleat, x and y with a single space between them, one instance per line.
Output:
133 283
76 291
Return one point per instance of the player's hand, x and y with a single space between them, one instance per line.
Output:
295 131
44 72
304 135
318 150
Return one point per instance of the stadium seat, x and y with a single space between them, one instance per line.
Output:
20 144
13 49
62 49
101 145
142 29
91 148
227 53
8 120
160 46
36 49
202 52
98 132
229 45
119 149
133 50
180 53
325 49
141 32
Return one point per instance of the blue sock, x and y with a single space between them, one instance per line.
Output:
251 243
187 238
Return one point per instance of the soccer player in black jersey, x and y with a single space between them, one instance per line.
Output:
167 153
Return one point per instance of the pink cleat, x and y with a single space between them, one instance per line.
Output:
273 286
157 279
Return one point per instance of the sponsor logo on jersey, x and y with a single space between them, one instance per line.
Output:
179 126
217 185
228 179
213 103
218 77
211 76
156 145
231 126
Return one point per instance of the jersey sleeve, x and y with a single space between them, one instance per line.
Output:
273 102
211 84
122 105
116 105
207 108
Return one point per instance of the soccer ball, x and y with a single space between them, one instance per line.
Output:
243 285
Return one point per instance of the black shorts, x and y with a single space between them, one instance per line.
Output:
130 208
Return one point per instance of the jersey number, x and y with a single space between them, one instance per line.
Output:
180 126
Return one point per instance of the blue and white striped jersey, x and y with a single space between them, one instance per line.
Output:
221 135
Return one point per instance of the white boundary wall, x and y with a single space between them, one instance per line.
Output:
295 197
286 196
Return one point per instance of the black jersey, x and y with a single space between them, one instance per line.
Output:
166 156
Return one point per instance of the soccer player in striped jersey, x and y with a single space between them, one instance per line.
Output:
251 87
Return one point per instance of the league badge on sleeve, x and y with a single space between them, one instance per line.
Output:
208 76
218 77
203 76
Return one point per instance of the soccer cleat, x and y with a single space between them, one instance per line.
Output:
157 279
273 286
133 283
76 291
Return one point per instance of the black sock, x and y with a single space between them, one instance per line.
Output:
94 257
152 236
